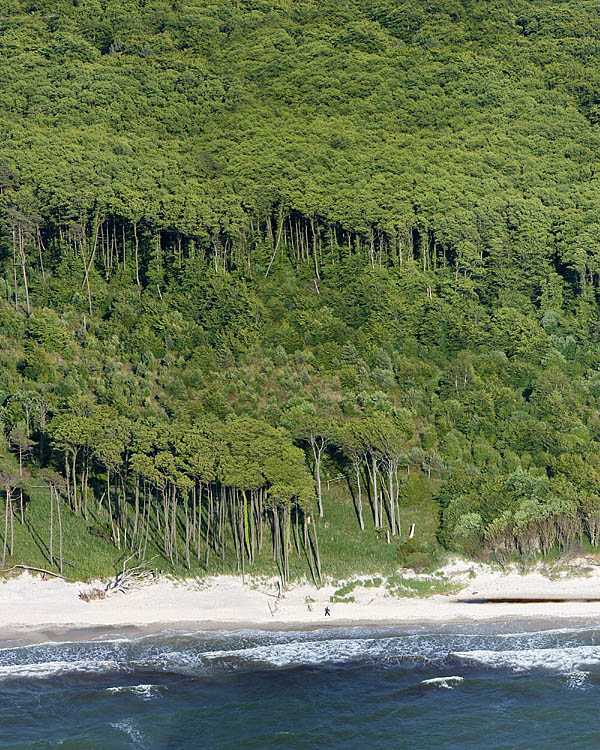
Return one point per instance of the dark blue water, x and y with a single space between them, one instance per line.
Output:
502 686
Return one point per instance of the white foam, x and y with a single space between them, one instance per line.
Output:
563 660
180 662
577 679
305 652
51 668
97 641
444 682
547 631
146 692
310 648
128 727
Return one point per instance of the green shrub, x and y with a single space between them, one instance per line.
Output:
413 554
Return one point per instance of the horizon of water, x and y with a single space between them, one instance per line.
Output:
516 684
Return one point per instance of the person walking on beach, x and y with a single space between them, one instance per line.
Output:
327 612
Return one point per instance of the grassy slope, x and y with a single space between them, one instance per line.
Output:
344 549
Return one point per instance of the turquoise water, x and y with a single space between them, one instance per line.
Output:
498 686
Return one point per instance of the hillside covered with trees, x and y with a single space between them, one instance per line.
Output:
279 279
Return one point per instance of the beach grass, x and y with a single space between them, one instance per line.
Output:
400 586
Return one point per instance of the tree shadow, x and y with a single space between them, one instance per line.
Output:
354 496
39 542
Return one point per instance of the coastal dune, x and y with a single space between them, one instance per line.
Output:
28 603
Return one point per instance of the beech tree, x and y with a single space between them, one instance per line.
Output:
10 483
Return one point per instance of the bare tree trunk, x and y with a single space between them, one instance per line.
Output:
246 529
21 483
51 525
187 534
281 222
314 237
166 530
398 498
241 531
360 513
137 262
209 517
12 529
6 506
194 512
14 235
147 514
317 556
275 534
296 533
68 475
174 526
40 248
74 477
261 521
60 534
253 515
319 490
392 504
109 503
24 267
376 499
286 546
307 549
137 506
86 278
84 483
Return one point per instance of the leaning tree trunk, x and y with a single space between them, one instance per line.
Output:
359 490
21 483
307 550
317 556
51 550
373 473
12 529
187 531
6 506
246 525
60 534
24 268
209 517
317 455
392 504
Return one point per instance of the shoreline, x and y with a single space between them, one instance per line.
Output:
77 633
32 609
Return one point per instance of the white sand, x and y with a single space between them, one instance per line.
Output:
28 603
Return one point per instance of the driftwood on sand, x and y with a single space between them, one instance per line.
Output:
129 579
29 567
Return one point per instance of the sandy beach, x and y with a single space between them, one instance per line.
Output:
29 604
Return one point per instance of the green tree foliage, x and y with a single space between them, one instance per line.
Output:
243 243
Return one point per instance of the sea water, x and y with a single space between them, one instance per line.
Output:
505 685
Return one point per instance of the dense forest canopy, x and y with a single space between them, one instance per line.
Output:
460 133
354 238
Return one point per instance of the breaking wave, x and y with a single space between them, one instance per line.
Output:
444 682
41 670
146 692
562 650
455 687
563 660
